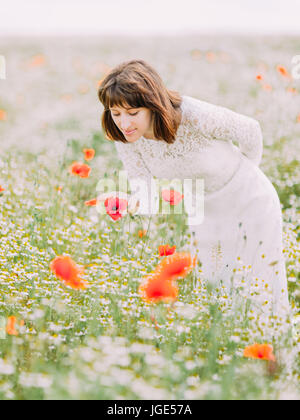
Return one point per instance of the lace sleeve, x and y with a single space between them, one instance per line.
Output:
221 123
139 176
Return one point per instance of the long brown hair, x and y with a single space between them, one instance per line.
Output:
137 84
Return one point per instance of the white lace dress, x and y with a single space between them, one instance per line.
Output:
241 232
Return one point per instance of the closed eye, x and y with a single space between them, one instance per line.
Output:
117 115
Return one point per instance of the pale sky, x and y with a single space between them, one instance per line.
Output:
148 17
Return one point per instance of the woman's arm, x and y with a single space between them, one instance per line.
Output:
223 124
136 170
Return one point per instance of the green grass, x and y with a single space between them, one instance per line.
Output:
195 353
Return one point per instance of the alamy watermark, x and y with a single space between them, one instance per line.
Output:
147 195
296 67
2 67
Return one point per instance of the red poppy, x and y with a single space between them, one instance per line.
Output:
92 202
1 189
283 71
89 154
68 271
166 250
178 265
142 233
156 288
77 283
80 169
11 325
116 207
172 196
260 351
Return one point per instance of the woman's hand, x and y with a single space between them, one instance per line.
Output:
133 202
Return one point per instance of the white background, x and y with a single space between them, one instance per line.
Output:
148 17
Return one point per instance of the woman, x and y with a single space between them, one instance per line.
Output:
159 133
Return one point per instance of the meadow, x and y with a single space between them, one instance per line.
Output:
105 341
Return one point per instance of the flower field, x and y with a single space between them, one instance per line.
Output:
100 307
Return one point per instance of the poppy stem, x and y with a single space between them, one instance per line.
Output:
272 367
148 230
153 319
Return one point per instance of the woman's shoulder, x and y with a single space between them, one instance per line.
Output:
192 108
198 113
190 103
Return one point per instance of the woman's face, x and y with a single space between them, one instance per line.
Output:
132 122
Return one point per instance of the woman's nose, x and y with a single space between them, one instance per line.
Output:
125 123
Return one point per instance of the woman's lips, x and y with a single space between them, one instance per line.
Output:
129 132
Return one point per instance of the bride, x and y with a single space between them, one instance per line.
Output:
158 132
